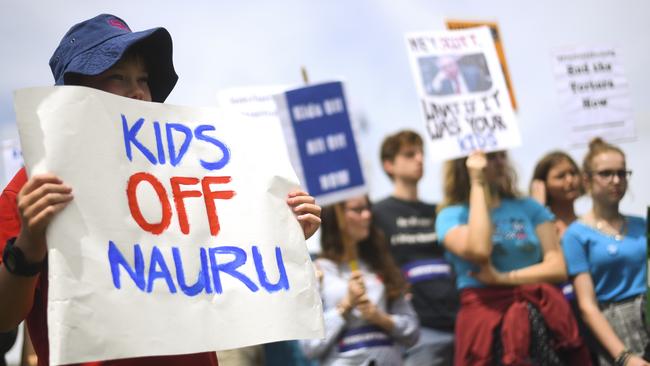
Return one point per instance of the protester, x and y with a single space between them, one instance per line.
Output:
606 255
556 184
101 53
409 226
505 251
367 316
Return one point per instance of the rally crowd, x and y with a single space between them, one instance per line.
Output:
489 276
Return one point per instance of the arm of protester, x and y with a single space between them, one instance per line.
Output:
473 241
538 191
552 268
406 328
306 210
40 199
594 318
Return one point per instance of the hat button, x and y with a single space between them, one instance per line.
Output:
72 40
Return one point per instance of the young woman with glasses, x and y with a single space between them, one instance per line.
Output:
606 258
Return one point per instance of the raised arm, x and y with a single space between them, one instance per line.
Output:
473 241
40 199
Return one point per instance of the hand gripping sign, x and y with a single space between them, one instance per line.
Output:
179 238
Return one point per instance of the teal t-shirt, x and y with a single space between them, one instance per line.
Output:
515 243
618 268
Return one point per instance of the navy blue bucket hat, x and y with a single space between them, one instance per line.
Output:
95 45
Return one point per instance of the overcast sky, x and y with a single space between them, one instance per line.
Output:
221 44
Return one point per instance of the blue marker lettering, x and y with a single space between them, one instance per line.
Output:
203 278
174 157
230 267
116 259
159 143
130 138
225 158
157 260
283 281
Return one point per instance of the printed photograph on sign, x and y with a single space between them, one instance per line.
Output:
455 74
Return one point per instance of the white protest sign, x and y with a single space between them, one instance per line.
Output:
179 238
593 94
462 92
253 101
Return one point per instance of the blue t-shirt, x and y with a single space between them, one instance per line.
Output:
515 243
618 268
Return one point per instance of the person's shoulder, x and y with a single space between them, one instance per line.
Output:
383 203
576 228
526 202
530 205
636 224
16 183
635 220
427 206
452 210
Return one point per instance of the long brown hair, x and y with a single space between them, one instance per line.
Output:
373 250
456 182
547 163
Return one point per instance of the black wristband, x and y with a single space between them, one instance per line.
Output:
15 262
622 357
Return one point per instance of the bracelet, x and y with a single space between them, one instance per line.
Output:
622 357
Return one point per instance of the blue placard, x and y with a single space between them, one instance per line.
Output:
325 143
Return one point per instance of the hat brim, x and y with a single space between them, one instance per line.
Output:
155 45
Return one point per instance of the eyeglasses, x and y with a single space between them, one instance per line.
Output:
609 174
358 210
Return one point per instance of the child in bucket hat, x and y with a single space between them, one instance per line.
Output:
92 47
103 53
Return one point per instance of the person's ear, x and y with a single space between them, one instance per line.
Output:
389 167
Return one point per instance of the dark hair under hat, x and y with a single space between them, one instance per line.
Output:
95 45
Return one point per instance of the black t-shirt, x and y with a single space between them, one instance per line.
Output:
410 232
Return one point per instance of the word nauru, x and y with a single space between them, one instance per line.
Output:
215 262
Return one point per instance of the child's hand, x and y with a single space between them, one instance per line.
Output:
40 199
306 210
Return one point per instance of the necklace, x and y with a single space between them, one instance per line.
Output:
607 229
